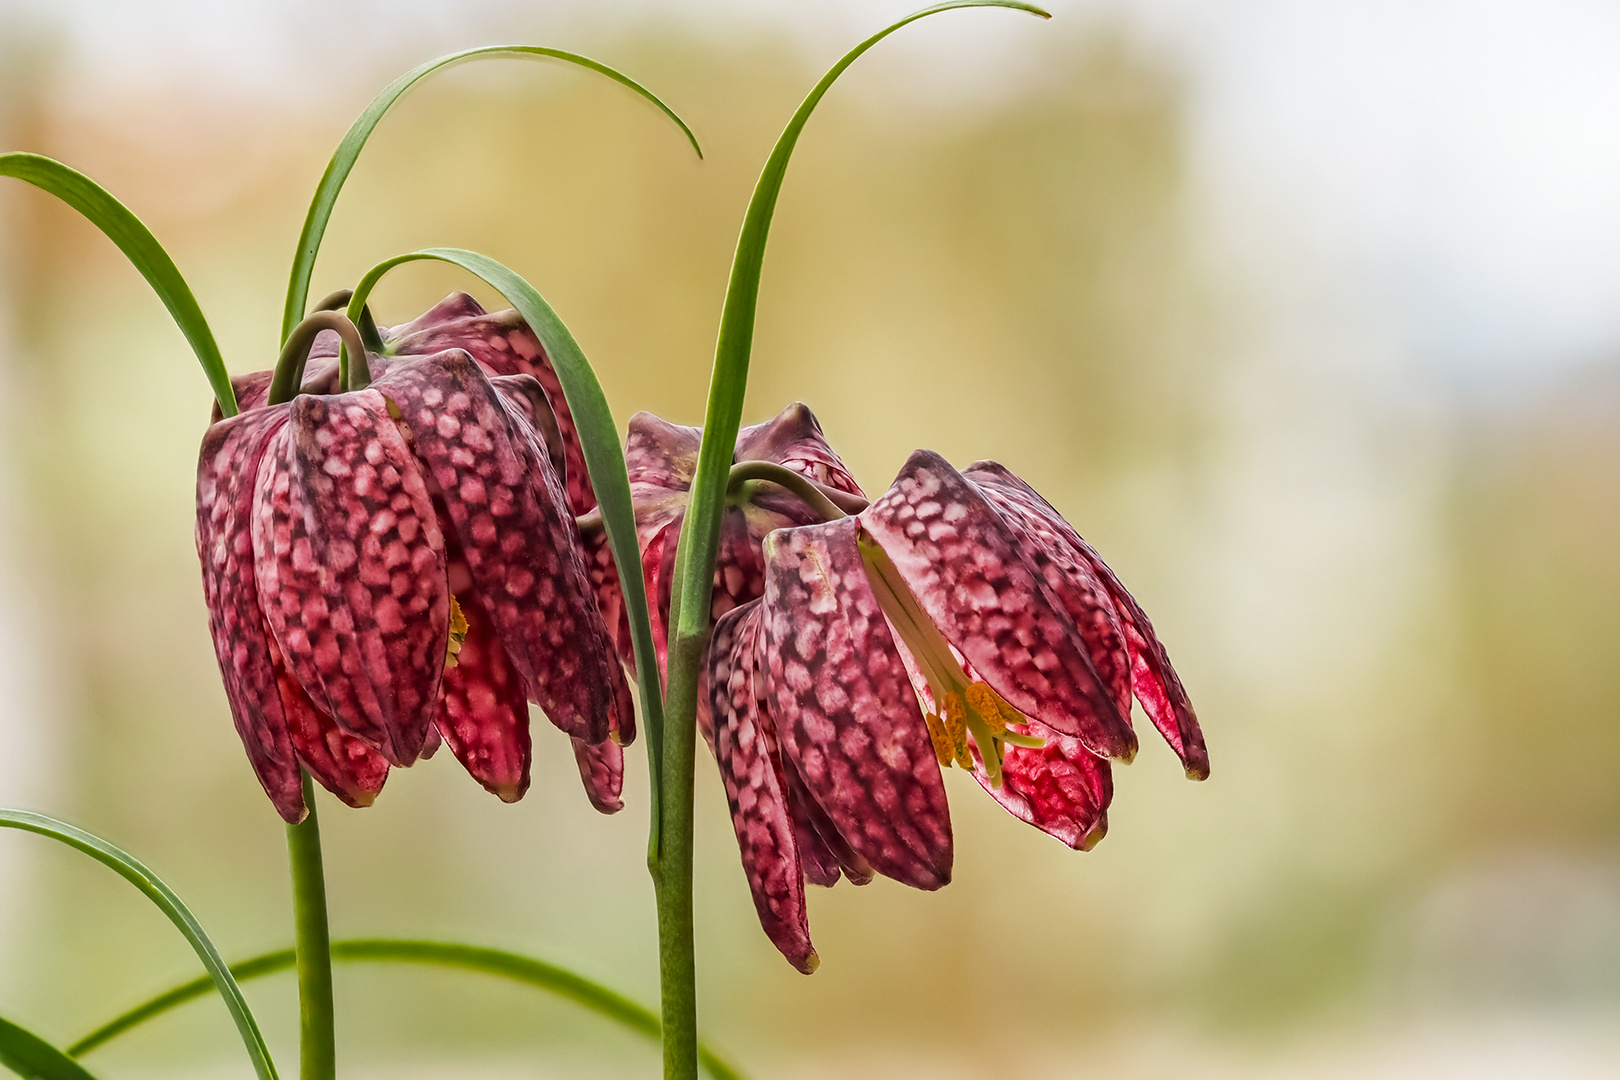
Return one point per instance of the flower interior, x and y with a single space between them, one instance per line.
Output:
967 709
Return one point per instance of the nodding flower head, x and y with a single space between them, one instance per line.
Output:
957 620
392 566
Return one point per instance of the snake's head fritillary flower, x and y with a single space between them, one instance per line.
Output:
957 620
388 566
662 459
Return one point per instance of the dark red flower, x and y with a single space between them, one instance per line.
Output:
958 619
397 564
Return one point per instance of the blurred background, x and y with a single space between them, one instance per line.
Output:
1308 316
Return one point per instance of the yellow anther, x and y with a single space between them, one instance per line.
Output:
984 701
955 717
942 742
458 633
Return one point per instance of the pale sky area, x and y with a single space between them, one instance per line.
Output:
1454 160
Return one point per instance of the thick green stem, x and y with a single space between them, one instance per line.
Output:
672 869
317 1040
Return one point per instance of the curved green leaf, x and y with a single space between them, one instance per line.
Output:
32 1058
348 151
132 871
736 339
598 437
509 965
138 244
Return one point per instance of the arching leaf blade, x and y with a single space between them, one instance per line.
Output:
599 440
509 965
348 151
153 887
142 249
32 1058
734 344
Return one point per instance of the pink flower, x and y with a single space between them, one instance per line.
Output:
393 565
957 620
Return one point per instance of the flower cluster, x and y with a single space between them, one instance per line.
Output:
388 567
418 560
958 619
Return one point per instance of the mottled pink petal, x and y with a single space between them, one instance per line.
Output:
739 572
351 569
342 764
822 848
512 522
525 398
660 454
1153 678
483 710
794 439
756 788
1063 789
844 707
604 574
957 555
226 470
1070 579
504 345
253 388
658 568
601 767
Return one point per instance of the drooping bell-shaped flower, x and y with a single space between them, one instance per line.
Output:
388 566
957 620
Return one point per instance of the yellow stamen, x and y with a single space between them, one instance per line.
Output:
458 633
955 717
987 704
942 742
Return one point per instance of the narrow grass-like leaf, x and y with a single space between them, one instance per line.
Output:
348 151
138 244
32 1058
599 439
524 969
735 342
132 871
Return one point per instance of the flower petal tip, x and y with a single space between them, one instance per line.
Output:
507 793
1198 770
810 963
1094 837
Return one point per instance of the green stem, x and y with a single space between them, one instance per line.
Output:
672 868
288 378
695 558
830 503
317 1040
369 335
